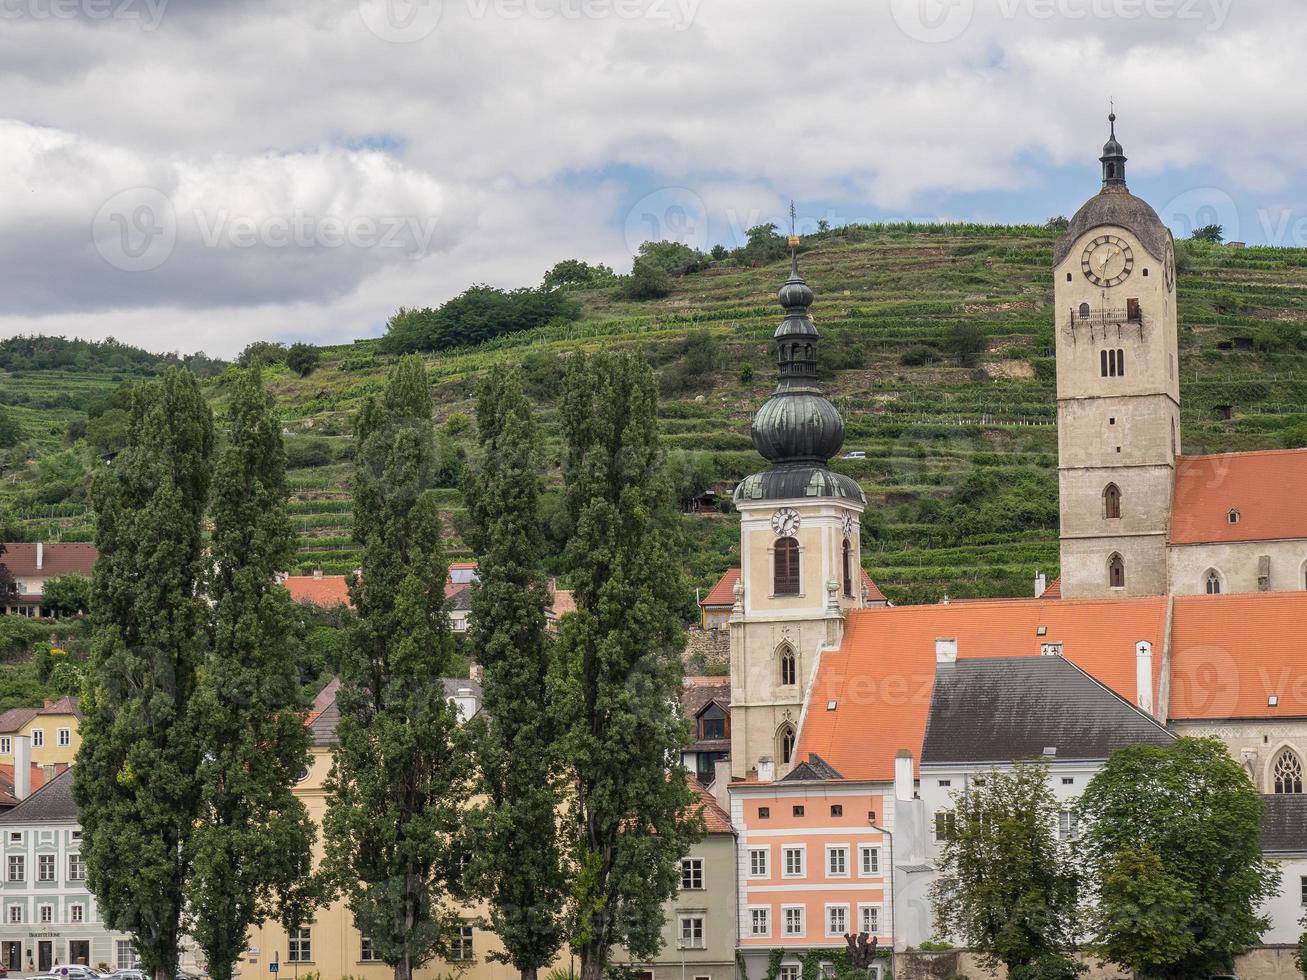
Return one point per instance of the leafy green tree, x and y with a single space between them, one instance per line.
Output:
135 781
8 584
674 258
647 280
66 595
966 341
1215 234
618 672
1059 223
302 359
1007 886
262 352
252 842
400 777
763 244
1173 847
574 272
478 314
518 866
1300 955
10 431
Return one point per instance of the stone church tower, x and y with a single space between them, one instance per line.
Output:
1118 393
800 561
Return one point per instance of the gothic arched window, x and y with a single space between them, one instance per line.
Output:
1212 581
1287 772
1111 501
786 579
1102 363
789 671
787 743
848 568
1116 572
1120 363
1084 311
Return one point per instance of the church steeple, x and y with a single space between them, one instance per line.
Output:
1113 158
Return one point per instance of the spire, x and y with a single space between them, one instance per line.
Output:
1113 158
796 337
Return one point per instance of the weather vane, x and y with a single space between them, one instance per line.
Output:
794 238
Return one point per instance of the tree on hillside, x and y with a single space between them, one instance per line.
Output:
399 780
135 780
647 280
618 671
477 314
10 431
66 595
252 843
674 258
1007 886
302 359
574 272
517 868
763 244
1215 234
965 340
8 584
1173 848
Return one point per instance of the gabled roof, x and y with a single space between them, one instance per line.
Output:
15 718
1054 590
698 691
715 819
56 559
814 769
321 590
999 709
1230 654
882 676
1284 825
52 803
7 798
872 589
723 593
63 706
1264 487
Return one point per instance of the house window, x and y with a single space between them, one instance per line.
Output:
759 922
793 920
76 867
45 867
15 913
46 913
1116 572
946 824
366 952
798 811
1212 582
837 920
869 860
837 862
837 810
869 919
1232 518
1068 825
788 671
76 913
1288 778
764 812
1084 310
758 862
124 955
786 580
848 568
1302 885
1111 501
17 870
300 945
691 932
38 737
787 743
6 745
65 737
788 973
692 873
460 950
712 723
793 862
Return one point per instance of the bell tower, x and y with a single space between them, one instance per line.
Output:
1118 393
799 549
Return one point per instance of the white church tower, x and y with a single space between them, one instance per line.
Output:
1118 391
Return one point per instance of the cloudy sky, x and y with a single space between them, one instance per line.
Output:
196 174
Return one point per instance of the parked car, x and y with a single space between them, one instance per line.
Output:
129 975
73 971
855 454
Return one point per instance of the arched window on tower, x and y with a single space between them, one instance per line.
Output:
1084 311
848 568
1287 772
1116 572
1120 363
788 666
1212 582
786 743
786 579
1111 501
1102 364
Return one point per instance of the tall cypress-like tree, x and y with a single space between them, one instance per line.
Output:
135 781
252 844
517 868
619 670
400 777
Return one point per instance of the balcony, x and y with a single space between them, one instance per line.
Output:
1087 317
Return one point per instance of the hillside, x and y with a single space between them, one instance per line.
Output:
961 460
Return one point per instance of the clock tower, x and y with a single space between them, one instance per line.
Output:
1118 393
799 551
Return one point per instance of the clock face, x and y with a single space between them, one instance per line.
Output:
1169 267
848 525
1107 261
785 522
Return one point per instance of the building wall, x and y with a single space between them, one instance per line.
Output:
50 752
1255 744
1287 908
1238 565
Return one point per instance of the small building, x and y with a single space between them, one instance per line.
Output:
52 731
706 705
32 565
1284 843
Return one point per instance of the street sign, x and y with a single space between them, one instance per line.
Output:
274 966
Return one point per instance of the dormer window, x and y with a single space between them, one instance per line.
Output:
712 723
1232 517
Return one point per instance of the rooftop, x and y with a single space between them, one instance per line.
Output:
52 803
1284 826
56 559
1261 487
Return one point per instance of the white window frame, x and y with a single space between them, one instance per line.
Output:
692 941
789 971
802 851
754 912
785 921
76 912
1068 825
47 867
766 861
298 943
44 913
76 866
691 865
17 868
863 908
863 851
38 738
843 850
366 953
841 907
64 737
15 836
124 954
15 916
6 745
464 947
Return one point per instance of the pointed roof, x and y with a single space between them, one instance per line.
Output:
722 593
715 819
52 803
814 769
1263 487
59 558
1284 824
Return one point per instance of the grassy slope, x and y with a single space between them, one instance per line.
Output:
925 429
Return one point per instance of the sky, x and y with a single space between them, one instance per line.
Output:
197 174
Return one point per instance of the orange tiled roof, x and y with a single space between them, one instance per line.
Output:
1231 653
873 590
564 602
1263 486
723 593
1054 590
324 590
715 819
882 676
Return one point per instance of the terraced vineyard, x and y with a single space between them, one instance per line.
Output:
961 460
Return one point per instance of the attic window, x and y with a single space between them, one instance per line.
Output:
764 812
946 782
798 811
1272 700
830 705
836 810
1233 516
1041 631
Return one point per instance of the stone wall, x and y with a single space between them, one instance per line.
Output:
707 651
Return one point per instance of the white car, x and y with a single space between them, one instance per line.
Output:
856 454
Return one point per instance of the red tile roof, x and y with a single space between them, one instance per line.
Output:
1231 653
321 590
1264 487
7 798
882 676
873 590
1054 590
723 593
564 602
56 559
715 819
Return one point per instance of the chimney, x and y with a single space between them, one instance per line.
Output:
766 769
903 775
22 767
946 650
466 703
40 556
317 573
1144 675
721 783
1041 584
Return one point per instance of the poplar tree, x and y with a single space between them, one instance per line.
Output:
252 845
517 869
400 777
618 679
135 781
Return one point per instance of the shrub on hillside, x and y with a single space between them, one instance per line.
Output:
305 452
696 362
647 280
262 352
674 258
302 359
764 244
918 355
10 431
965 341
574 272
476 315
